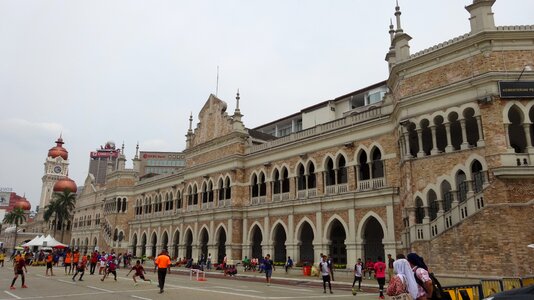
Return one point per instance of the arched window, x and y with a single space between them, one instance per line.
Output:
276 182
516 130
123 204
426 135
446 195
301 178
461 186
255 186
341 170
377 164
365 171
227 189
478 176
312 182
263 185
330 173
433 205
419 211
285 181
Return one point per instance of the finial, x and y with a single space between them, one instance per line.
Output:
137 150
397 16
237 98
191 123
122 149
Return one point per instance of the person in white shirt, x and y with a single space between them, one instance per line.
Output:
325 269
358 268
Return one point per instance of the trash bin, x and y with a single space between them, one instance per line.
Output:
306 270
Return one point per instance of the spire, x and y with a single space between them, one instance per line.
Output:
397 16
122 148
391 33
237 113
190 123
137 151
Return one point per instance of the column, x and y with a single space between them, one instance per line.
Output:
448 134
465 144
507 135
480 142
434 141
407 141
526 126
421 152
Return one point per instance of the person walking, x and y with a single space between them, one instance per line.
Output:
209 262
424 282
404 281
20 267
380 275
68 261
325 269
139 271
268 267
49 264
358 269
162 264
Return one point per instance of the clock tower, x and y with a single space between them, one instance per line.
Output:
56 167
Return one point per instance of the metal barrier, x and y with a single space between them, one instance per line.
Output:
464 292
511 283
490 286
527 281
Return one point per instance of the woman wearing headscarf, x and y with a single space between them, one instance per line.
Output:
403 281
424 282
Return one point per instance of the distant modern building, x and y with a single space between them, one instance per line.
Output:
100 159
160 162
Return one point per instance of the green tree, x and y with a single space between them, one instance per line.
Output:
64 208
51 212
16 217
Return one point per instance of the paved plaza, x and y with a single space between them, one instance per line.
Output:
247 285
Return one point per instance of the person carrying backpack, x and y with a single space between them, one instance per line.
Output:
428 285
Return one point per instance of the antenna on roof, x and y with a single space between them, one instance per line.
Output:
217 87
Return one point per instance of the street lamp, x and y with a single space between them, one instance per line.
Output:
527 68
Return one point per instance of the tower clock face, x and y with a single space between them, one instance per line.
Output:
57 169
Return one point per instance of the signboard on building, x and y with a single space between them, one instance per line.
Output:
104 154
516 89
4 199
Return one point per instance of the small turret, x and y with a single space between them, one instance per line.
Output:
481 15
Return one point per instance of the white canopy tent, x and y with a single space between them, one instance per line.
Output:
36 241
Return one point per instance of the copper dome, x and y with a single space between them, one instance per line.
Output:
65 183
58 150
23 204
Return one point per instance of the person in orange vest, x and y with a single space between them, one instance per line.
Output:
75 259
162 263
49 259
19 268
80 268
68 261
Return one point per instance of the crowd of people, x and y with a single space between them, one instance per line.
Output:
407 275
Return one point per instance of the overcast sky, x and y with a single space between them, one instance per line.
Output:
134 70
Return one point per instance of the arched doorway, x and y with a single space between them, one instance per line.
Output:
153 244
204 243
221 245
337 247
175 243
165 241
373 235
256 240
306 243
279 243
143 245
134 245
189 244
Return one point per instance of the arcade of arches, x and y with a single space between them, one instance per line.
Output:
303 241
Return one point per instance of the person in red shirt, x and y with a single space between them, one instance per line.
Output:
139 271
80 268
380 275
94 261
369 267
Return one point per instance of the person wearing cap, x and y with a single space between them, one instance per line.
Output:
162 263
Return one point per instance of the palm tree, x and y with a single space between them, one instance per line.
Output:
17 216
51 210
64 207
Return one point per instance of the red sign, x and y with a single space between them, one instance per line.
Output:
151 155
104 154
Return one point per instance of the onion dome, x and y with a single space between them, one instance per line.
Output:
58 150
65 183
23 204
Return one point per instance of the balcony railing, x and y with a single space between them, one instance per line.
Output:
371 184
258 200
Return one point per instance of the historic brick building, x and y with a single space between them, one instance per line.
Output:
436 159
